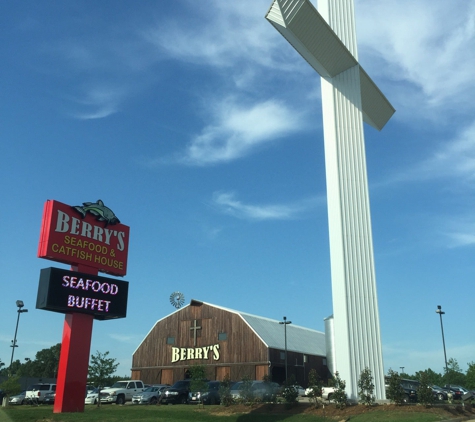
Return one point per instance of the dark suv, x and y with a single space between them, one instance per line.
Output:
410 389
176 394
209 396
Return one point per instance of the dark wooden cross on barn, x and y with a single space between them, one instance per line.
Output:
195 327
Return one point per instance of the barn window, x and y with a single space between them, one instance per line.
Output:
222 336
170 340
282 356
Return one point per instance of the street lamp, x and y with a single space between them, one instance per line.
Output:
440 312
285 323
19 304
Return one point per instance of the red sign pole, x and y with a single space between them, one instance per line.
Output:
74 358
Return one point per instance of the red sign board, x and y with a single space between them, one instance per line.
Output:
89 235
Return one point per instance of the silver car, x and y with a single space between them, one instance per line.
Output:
18 399
92 397
150 395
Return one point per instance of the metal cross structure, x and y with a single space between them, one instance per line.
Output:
195 327
327 41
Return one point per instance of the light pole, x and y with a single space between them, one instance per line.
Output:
19 304
285 323
440 312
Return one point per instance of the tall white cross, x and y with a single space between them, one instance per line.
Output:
349 97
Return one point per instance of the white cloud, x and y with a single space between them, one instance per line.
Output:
453 158
240 129
223 34
460 230
428 43
98 101
227 203
124 338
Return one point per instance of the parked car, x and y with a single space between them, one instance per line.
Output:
38 391
176 394
122 391
299 389
439 393
309 390
265 391
92 397
410 390
209 396
463 390
18 399
49 398
455 391
89 389
327 393
150 395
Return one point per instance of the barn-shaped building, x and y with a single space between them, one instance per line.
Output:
228 343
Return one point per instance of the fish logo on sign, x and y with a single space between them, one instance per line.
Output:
99 210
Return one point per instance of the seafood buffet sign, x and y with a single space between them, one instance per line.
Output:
89 234
70 291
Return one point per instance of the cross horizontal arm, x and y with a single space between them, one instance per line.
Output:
307 31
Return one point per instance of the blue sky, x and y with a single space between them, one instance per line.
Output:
201 128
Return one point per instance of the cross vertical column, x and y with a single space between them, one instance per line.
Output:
349 96
355 306
195 327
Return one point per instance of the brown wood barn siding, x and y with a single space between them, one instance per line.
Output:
242 345
297 367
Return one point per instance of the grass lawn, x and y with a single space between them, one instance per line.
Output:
265 413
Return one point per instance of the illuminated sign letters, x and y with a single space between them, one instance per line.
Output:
67 291
191 353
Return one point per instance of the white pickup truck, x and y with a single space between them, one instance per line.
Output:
327 392
121 391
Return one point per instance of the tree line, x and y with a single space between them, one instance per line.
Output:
45 365
453 375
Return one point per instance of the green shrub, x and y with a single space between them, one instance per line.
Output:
315 385
395 393
289 393
11 386
339 395
246 394
424 391
366 388
198 378
225 392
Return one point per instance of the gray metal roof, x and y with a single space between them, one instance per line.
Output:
299 339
